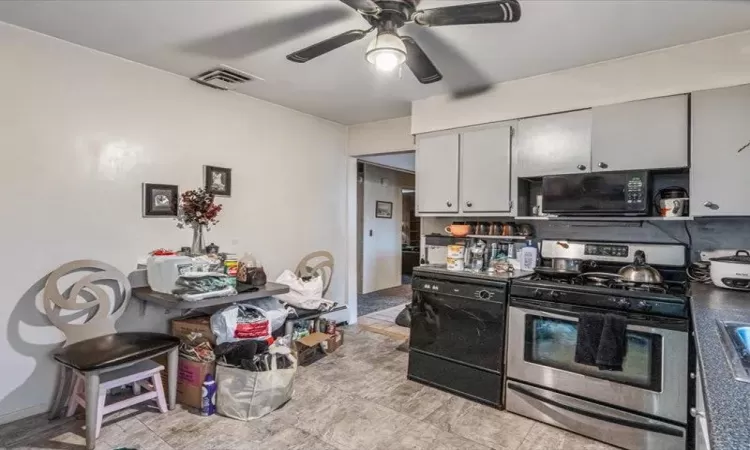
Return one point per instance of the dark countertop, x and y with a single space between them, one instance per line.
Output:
169 301
441 269
727 400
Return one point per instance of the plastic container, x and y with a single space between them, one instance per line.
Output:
528 257
162 271
208 396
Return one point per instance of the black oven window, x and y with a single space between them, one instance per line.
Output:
552 342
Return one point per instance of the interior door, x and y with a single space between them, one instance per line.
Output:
647 134
437 174
719 169
554 144
485 170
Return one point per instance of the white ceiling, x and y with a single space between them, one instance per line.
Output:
341 86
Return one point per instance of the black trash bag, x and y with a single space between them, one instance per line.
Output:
404 317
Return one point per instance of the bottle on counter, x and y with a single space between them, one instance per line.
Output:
528 256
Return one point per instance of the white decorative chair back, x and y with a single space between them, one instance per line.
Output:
317 264
85 296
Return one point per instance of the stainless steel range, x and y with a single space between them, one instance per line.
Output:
642 406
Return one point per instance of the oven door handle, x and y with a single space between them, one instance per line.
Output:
574 318
663 429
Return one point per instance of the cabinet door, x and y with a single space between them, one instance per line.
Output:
554 144
647 134
719 170
485 170
437 174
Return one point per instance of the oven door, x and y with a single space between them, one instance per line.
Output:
542 341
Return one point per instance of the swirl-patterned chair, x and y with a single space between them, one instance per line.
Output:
99 357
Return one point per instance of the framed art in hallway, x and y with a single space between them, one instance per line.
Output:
160 200
218 180
383 210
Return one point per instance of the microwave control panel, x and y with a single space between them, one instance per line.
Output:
635 191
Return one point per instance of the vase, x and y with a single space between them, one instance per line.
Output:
199 245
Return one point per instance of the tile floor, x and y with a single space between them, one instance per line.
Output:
356 398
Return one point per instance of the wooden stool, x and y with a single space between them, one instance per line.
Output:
135 374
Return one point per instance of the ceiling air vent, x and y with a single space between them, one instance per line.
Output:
224 78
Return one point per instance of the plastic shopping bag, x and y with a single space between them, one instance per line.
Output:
239 322
303 294
246 395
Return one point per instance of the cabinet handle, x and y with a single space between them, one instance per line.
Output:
468 204
709 204
603 165
695 413
692 375
581 167
449 203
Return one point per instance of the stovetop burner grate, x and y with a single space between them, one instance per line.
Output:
610 281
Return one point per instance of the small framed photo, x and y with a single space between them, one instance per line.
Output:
218 180
383 210
160 200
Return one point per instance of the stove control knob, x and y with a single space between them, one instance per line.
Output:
643 305
620 302
555 295
537 293
484 295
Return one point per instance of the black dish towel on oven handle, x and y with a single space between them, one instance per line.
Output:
589 335
613 344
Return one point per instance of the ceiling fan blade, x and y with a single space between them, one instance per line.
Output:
503 11
419 63
322 47
363 6
463 78
247 40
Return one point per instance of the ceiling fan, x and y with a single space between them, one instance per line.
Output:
389 50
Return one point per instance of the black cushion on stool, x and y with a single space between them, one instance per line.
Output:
114 349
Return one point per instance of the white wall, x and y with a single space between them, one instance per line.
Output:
708 64
81 130
381 252
385 136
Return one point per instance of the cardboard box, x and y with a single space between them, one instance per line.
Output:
190 377
199 324
316 345
309 349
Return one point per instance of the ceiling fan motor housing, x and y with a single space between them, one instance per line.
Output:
393 14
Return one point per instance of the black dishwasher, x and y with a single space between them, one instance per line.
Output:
457 335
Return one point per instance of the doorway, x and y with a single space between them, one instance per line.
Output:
387 234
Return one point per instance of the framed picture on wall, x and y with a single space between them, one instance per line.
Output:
383 210
160 200
218 180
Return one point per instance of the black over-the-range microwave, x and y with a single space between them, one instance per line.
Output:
598 193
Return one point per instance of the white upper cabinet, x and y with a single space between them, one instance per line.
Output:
554 144
719 182
485 170
646 134
437 174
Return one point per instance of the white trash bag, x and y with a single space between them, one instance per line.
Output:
303 294
246 395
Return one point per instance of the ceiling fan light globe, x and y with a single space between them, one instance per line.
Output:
386 52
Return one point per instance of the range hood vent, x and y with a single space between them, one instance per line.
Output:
223 77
